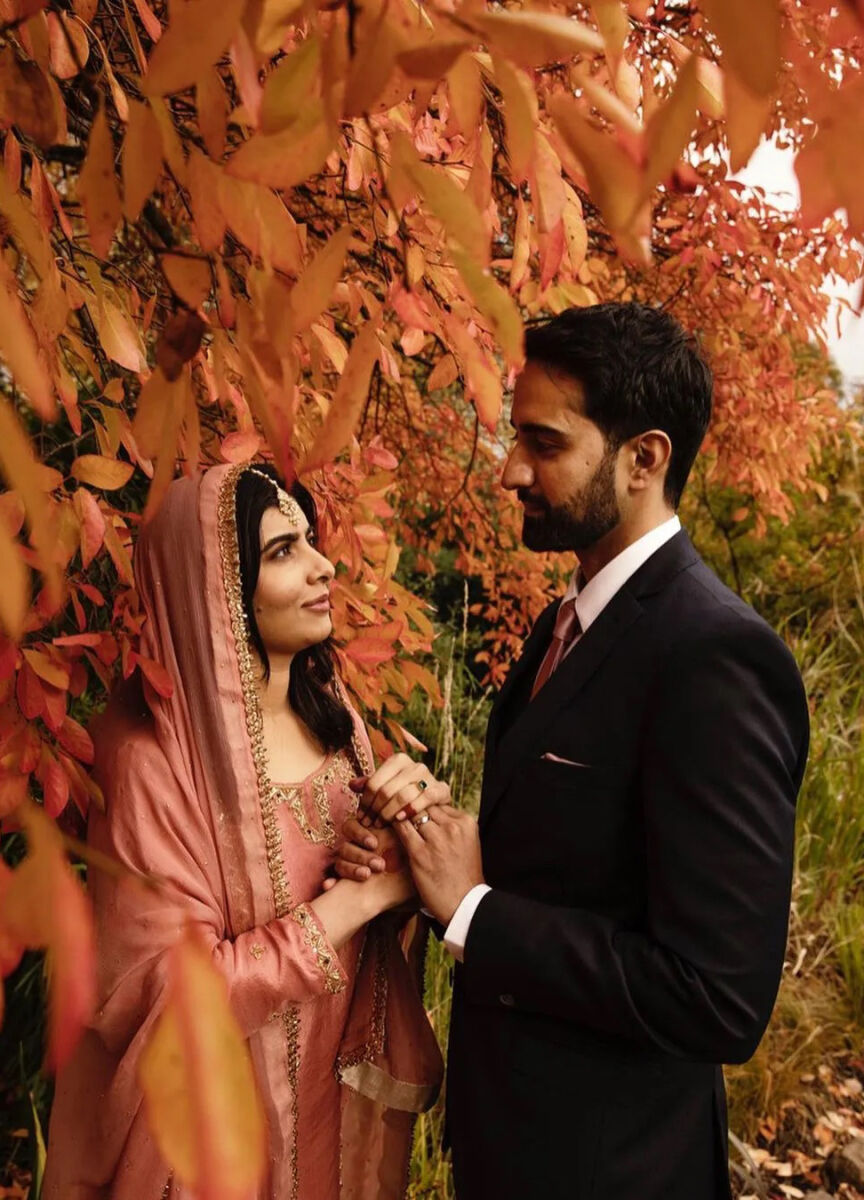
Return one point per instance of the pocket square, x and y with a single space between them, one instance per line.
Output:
567 762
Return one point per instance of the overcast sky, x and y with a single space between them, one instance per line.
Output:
771 169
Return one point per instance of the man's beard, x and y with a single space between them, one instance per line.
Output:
583 521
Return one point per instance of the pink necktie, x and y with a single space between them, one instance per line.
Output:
567 627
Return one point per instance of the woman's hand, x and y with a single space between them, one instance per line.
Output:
400 789
363 853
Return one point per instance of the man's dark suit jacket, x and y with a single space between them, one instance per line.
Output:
635 933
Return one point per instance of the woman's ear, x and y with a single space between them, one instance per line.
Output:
652 452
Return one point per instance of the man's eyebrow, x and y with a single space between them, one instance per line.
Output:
287 538
538 427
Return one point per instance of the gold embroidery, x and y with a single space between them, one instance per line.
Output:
334 980
375 943
291 1025
256 950
339 770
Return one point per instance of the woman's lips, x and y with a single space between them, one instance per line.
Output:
321 605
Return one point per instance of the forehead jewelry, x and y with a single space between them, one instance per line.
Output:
288 506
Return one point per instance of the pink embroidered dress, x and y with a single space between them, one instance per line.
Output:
343 1052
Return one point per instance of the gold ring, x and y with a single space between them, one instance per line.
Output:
421 820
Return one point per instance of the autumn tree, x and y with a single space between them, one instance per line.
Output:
314 232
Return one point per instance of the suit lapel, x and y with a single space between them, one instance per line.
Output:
524 732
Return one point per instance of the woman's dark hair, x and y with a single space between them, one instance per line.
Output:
311 692
640 370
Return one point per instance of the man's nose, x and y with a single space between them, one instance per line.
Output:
517 472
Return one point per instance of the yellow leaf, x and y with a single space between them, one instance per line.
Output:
466 94
444 199
189 277
22 474
142 158
443 373
534 38
198 1083
351 393
260 220
521 246
575 229
284 159
20 350
15 592
614 179
119 337
482 380
668 132
287 89
212 105
333 346
749 35
47 668
97 187
496 305
101 472
520 115
314 288
197 35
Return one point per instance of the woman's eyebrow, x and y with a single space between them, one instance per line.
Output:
286 538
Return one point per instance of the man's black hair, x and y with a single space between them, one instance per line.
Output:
640 369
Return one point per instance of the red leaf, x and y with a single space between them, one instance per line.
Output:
157 676
75 738
55 789
369 651
29 694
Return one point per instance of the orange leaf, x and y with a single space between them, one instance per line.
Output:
101 472
746 117
287 158
466 94
175 407
45 907
668 132
520 115
97 187
55 788
312 292
370 651
749 36
11 949
157 676
482 380
118 335
142 158
344 412
198 33
189 277
453 208
288 88
15 592
92 530
533 38
443 373
20 350
47 668
496 305
75 738
26 99
69 46
431 60
212 105
22 473
199 1086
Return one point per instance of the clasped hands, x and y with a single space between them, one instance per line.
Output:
442 853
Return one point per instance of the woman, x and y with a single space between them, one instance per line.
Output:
232 792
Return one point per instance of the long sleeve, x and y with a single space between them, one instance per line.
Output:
724 748
152 827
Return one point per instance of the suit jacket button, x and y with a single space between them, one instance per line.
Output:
507 1000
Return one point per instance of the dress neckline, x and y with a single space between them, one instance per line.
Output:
299 783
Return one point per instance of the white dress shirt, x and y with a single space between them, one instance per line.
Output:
590 600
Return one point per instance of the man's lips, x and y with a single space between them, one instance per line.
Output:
533 508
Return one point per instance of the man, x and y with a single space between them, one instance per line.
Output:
624 934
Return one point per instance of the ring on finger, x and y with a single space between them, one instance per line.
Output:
421 820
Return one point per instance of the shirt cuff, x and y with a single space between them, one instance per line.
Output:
456 933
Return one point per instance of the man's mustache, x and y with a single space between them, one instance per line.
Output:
525 497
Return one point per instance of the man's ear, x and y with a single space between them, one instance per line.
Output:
652 452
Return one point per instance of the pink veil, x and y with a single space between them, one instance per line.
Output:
184 780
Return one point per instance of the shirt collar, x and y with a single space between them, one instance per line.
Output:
593 596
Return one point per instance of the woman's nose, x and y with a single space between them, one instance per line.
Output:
322 568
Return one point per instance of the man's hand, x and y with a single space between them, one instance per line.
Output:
444 853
